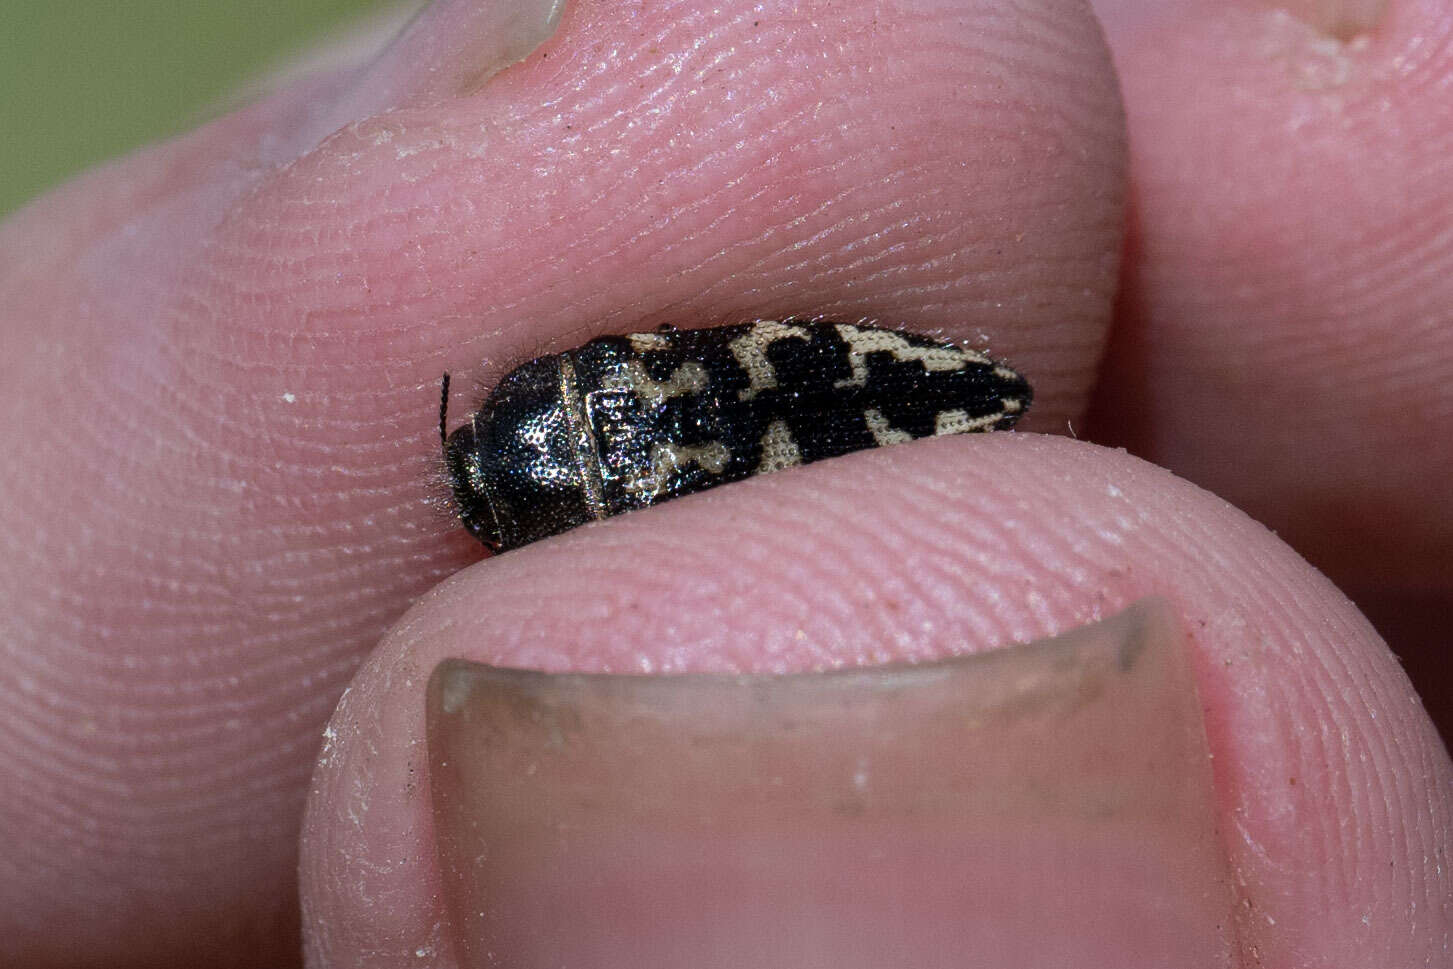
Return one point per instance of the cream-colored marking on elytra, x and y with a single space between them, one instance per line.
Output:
1004 373
861 342
646 342
883 432
1012 405
688 378
750 349
667 459
959 422
779 450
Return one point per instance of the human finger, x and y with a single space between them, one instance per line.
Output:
232 346
1325 803
1282 338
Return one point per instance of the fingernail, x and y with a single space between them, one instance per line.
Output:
1041 805
449 49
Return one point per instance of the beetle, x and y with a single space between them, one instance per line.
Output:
626 422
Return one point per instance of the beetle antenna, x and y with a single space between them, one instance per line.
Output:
443 409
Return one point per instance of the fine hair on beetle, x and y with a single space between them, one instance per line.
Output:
443 505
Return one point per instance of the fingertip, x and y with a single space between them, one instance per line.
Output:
958 546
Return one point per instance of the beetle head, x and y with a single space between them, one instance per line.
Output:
467 482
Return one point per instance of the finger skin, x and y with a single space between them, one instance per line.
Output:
223 381
1283 336
1332 787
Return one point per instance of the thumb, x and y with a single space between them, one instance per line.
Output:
1312 837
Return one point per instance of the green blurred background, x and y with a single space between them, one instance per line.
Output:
84 80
